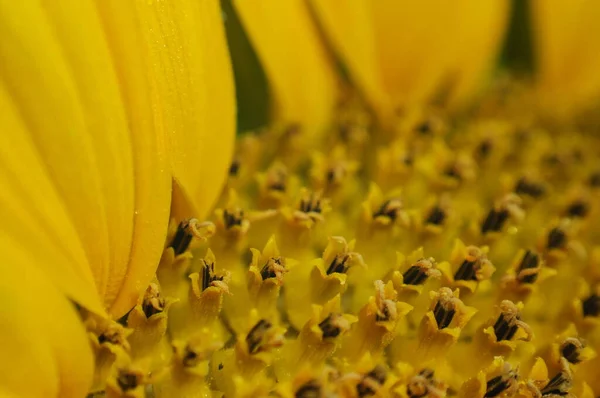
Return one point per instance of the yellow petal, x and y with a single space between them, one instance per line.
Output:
35 220
193 95
480 36
45 351
349 27
58 73
300 75
404 53
126 35
567 52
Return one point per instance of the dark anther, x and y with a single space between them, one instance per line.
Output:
530 261
312 204
335 174
500 384
591 305
390 208
372 381
418 273
255 335
436 216
571 348
209 276
578 208
443 314
558 385
594 180
112 336
504 328
339 264
220 367
484 148
466 272
234 168
274 268
509 322
408 160
526 187
421 384
127 381
183 237
556 238
453 172
233 218
415 275
190 358
153 303
310 389
424 128
333 325
383 314
494 220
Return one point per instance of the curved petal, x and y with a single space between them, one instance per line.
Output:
193 94
300 74
567 52
57 71
45 351
480 35
349 27
125 33
403 53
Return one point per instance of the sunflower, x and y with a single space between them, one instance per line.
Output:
403 212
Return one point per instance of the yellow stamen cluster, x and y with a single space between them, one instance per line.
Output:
456 256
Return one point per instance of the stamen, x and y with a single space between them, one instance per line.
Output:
187 230
115 334
334 325
386 308
391 208
445 308
343 262
372 382
274 268
310 389
559 385
311 204
557 238
277 178
453 171
418 273
529 188
529 268
262 337
424 128
571 348
233 217
153 303
424 385
234 168
190 357
591 305
210 278
484 149
594 180
336 174
508 206
494 220
578 208
501 384
475 266
509 322
128 380
436 216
